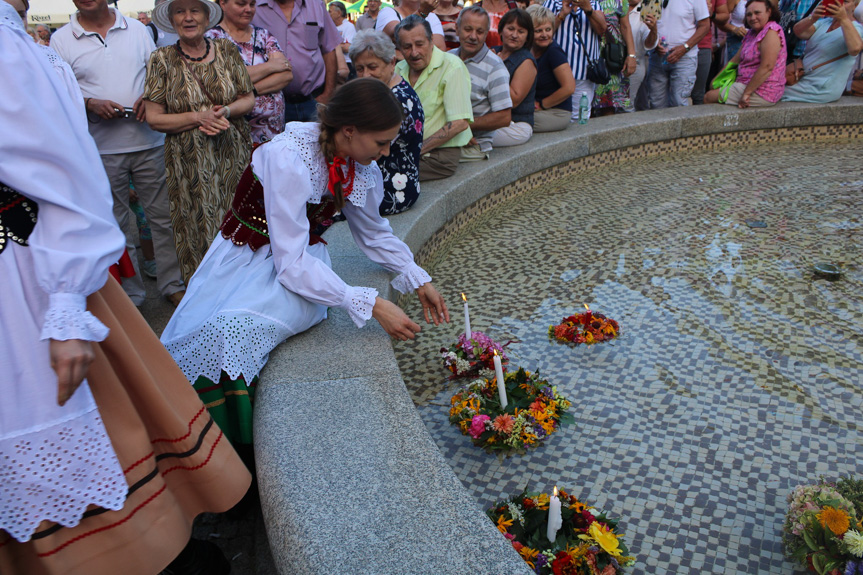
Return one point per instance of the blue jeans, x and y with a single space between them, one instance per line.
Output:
671 84
304 112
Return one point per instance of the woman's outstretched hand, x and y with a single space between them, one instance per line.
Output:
394 321
70 359
434 308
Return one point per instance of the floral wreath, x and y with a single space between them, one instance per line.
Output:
534 411
587 542
822 530
474 358
586 327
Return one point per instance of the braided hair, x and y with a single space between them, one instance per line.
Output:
367 104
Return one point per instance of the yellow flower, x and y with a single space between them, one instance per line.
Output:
836 520
503 523
527 553
605 538
542 501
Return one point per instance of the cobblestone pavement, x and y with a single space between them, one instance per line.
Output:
738 372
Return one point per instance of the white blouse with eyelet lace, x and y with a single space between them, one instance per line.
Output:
288 185
54 461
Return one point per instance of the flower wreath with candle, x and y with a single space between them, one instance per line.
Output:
586 327
587 542
474 358
822 530
534 411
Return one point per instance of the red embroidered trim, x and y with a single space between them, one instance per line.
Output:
206 461
139 462
191 423
106 527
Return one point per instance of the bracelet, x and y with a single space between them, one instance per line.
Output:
541 106
227 111
632 56
588 14
87 102
255 91
423 15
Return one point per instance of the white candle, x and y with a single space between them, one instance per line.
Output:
467 331
501 386
555 519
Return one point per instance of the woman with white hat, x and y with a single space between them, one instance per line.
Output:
197 92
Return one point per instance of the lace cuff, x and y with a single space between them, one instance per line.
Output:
359 302
67 318
411 279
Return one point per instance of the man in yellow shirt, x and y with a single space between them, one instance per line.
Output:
442 83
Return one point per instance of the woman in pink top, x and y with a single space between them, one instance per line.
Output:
761 60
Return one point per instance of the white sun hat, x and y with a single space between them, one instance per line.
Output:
162 15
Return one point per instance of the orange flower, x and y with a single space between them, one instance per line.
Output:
836 520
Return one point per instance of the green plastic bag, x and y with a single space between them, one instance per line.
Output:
724 80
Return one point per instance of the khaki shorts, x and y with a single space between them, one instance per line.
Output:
736 92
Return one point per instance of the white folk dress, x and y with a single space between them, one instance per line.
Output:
241 304
111 481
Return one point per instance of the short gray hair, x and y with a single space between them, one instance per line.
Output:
410 23
473 9
376 42
540 15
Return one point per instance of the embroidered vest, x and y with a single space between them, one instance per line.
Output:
17 217
246 221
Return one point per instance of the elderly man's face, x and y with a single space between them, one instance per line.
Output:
416 48
143 18
472 34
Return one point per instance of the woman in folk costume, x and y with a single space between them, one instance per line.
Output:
106 455
267 276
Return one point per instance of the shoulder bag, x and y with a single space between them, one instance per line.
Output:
597 71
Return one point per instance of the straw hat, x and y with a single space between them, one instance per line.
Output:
162 15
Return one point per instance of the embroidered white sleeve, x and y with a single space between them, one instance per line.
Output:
67 318
359 302
410 279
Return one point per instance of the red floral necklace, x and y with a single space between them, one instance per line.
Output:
336 175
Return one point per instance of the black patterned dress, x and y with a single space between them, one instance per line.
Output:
401 168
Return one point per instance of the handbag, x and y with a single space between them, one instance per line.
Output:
724 80
795 70
597 71
614 54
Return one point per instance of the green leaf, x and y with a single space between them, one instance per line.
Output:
810 542
818 562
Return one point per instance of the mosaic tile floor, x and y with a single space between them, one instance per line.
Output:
739 374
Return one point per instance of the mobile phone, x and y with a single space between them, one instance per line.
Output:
128 112
651 8
827 3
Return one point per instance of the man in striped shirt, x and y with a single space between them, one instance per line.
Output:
580 26
489 82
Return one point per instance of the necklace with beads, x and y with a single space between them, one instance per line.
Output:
189 58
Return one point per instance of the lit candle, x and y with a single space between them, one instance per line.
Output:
555 519
589 313
501 385
467 331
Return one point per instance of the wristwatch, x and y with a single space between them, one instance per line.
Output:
631 56
685 45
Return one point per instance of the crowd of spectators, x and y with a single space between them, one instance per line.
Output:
191 88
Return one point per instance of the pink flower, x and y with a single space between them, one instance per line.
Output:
418 126
477 425
509 536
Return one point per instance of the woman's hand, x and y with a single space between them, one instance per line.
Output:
428 6
434 308
629 67
650 22
278 63
836 11
70 360
744 100
394 321
212 122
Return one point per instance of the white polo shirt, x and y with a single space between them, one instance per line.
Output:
678 21
111 68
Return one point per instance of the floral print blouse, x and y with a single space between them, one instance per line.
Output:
267 119
401 168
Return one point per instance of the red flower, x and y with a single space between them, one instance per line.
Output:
564 565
